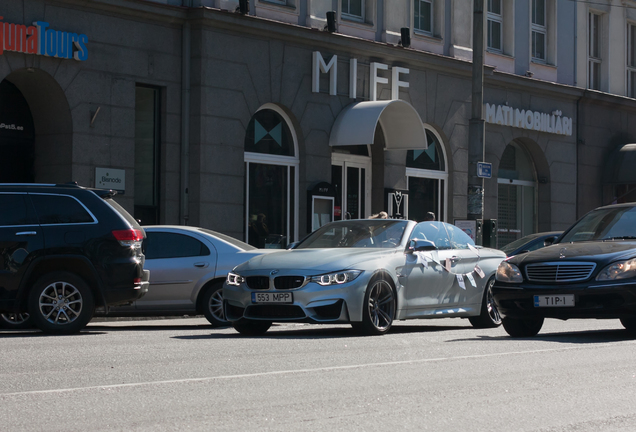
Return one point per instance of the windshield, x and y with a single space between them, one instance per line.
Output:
604 224
376 233
519 242
231 240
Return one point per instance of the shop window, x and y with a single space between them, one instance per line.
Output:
423 16
271 179
594 51
427 179
631 60
516 196
147 145
539 30
17 136
494 26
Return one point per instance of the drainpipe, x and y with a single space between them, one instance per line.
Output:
185 123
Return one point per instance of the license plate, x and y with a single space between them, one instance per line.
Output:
267 297
565 300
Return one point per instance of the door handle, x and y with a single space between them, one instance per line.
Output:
201 264
455 258
26 233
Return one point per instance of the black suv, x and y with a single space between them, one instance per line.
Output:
65 250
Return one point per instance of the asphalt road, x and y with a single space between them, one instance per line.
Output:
436 375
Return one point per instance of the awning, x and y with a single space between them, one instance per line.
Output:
621 165
402 126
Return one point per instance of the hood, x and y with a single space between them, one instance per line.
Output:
318 260
600 252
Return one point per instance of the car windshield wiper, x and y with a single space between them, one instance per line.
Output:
621 238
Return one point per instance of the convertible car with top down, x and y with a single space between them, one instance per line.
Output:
367 273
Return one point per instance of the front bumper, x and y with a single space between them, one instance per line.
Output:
591 300
311 303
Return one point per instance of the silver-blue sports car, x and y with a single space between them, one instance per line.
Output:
369 273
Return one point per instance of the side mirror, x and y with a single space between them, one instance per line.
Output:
417 245
550 240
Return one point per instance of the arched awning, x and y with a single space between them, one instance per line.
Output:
402 126
620 165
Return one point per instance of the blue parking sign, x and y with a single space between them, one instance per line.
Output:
484 169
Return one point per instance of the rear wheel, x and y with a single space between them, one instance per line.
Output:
522 327
249 327
16 321
378 311
61 303
489 316
213 305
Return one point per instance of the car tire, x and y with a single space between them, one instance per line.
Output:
16 321
248 327
378 308
73 315
522 327
489 316
629 324
212 303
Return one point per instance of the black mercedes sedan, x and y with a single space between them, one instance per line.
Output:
588 272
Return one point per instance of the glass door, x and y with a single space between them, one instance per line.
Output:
352 180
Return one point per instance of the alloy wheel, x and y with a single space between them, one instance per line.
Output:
60 303
381 305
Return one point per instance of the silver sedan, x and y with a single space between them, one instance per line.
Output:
188 266
368 273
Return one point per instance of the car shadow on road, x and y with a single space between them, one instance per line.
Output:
574 337
319 332
34 333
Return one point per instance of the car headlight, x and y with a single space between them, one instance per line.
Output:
509 273
234 279
337 278
618 270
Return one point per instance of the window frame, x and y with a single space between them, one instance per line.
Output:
495 18
293 179
351 17
537 28
441 176
630 59
418 30
594 54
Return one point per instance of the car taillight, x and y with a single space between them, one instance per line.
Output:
129 237
137 283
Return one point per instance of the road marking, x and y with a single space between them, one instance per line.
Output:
284 372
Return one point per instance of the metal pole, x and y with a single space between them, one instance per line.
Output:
476 147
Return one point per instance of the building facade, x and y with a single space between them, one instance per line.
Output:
264 125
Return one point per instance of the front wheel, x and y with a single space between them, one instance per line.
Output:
489 316
16 321
522 327
379 307
61 303
249 327
213 305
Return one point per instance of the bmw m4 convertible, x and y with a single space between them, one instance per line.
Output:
368 273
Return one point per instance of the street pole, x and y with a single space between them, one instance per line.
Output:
477 130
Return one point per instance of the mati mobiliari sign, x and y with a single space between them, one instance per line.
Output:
554 123
39 39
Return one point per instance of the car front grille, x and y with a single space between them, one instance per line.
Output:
288 282
559 271
257 282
